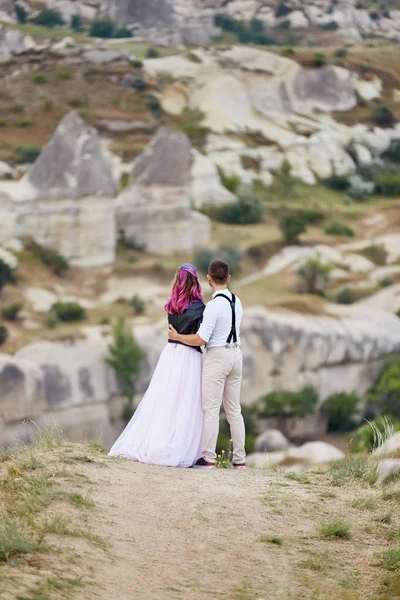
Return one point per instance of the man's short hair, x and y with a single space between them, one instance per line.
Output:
218 271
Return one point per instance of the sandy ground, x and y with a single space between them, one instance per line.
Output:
196 535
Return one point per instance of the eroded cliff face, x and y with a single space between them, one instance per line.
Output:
70 385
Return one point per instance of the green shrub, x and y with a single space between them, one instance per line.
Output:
341 53
3 122
67 312
385 393
125 357
393 152
76 23
383 116
49 18
386 282
27 154
102 28
339 409
292 225
336 228
315 275
331 26
105 320
11 311
252 32
27 122
388 184
153 103
191 125
245 211
311 216
289 404
123 32
3 334
17 108
346 296
139 84
7 274
51 319
124 181
338 182
152 53
230 182
320 59
232 256
49 257
287 180
39 78
360 189
21 13
138 305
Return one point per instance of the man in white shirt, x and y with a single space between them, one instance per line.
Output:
222 373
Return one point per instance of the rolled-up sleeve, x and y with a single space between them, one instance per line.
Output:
209 321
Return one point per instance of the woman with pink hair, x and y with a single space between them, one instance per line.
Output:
166 428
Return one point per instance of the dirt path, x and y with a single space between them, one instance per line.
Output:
253 535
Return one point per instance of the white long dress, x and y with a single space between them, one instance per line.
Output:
167 426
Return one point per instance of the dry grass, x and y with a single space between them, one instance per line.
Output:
303 520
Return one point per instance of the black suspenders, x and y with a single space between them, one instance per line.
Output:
232 334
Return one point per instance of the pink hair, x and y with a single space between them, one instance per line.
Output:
185 289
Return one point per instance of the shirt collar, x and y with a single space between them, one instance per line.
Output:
226 292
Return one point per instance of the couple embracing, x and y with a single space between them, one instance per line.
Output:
177 421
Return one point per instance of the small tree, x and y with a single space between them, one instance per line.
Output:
288 181
292 226
49 18
340 409
76 23
315 275
103 28
385 393
125 358
21 13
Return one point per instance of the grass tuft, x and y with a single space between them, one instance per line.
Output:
80 501
14 540
391 559
267 539
336 530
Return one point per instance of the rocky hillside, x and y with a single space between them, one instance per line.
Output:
199 21
75 524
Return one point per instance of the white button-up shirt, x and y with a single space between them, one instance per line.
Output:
217 320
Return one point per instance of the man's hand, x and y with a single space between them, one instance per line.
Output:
172 333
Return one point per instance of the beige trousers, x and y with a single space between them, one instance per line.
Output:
222 377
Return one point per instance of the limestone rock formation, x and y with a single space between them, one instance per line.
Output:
271 440
70 384
66 200
13 42
156 209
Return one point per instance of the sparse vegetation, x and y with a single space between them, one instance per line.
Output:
49 18
315 276
27 154
152 53
229 254
11 311
138 305
388 184
292 225
230 182
245 211
340 410
68 312
7 273
346 296
385 393
49 257
335 529
3 334
285 404
125 357
337 228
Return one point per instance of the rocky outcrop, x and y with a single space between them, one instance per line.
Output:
156 209
66 200
70 384
246 89
13 43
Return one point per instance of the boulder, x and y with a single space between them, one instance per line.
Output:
387 468
271 440
13 42
297 19
262 460
72 165
390 447
66 201
156 209
315 453
40 299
